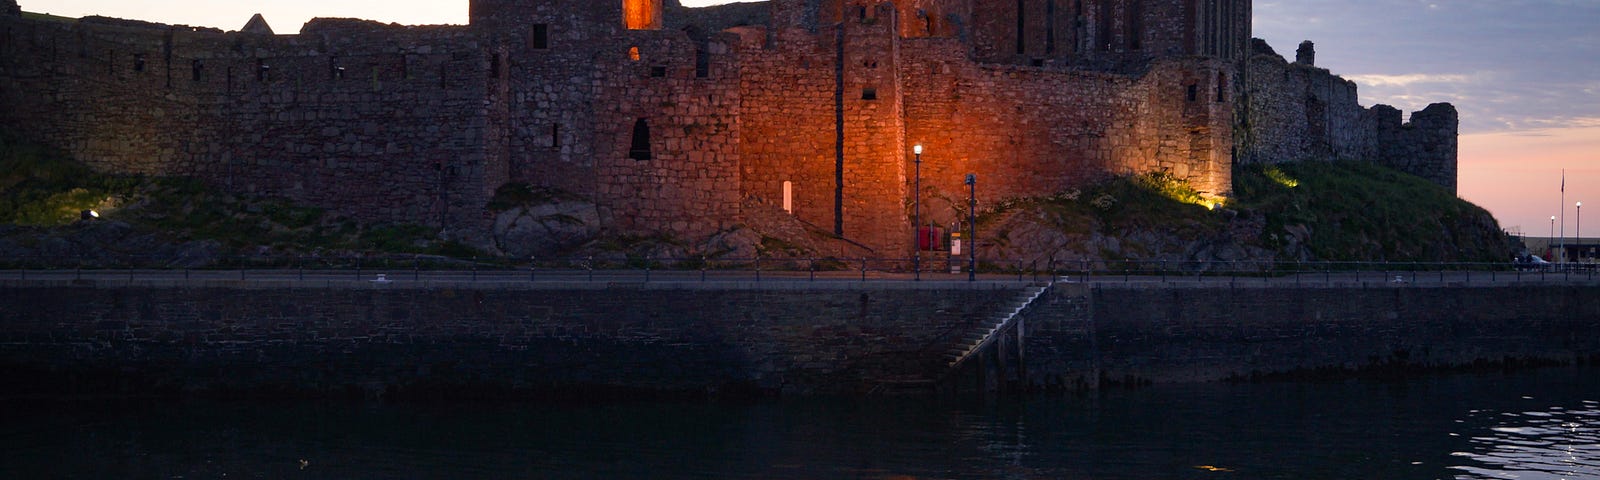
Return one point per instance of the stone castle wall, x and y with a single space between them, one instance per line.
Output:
669 130
378 120
1298 112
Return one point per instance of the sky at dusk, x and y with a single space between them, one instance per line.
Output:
1525 74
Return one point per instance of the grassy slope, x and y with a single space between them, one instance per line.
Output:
1342 211
1351 211
40 188
1359 211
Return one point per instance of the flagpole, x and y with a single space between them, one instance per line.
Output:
1563 240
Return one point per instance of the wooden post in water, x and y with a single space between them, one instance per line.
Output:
1002 374
1022 357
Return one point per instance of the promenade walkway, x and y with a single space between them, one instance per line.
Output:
787 279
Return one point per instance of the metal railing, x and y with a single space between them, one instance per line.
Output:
645 269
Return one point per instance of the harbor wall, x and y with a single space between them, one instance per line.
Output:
786 338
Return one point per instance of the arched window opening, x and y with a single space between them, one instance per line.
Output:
641 14
633 53
640 148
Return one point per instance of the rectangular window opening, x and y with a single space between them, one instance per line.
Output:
1050 27
555 135
1103 27
1194 93
541 36
658 72
138 62
869 93
1022 23
1135 25
197 68
702 63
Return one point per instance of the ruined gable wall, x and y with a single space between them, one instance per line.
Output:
1426 146
1301 112
397 136
1298 112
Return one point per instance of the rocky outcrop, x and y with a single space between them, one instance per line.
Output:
1031 238
102 244
546 229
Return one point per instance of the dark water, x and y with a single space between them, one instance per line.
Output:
1542 424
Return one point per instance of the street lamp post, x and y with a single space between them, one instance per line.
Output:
916 218
1578 236
972 226
1550 250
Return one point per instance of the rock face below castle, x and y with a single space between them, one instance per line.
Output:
673 121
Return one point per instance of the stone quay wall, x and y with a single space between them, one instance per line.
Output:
545 341
1083 336
774 338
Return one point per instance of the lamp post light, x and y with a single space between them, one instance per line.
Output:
972 226
916 217
1549 243
1577 237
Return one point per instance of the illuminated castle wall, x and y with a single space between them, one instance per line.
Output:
672 120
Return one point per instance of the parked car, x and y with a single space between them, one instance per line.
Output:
1532 263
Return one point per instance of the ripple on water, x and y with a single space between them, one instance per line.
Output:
1553 443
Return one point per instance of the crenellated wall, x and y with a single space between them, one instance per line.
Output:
669 125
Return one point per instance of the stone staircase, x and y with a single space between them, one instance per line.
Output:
979 337
970 344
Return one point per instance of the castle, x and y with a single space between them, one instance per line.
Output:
675 121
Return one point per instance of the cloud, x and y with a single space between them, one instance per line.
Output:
1406 80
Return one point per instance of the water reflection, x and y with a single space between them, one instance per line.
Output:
1555 443
1537 424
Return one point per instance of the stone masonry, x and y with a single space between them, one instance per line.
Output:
1297 112
671 119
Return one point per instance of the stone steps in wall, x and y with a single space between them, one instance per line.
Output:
975 339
